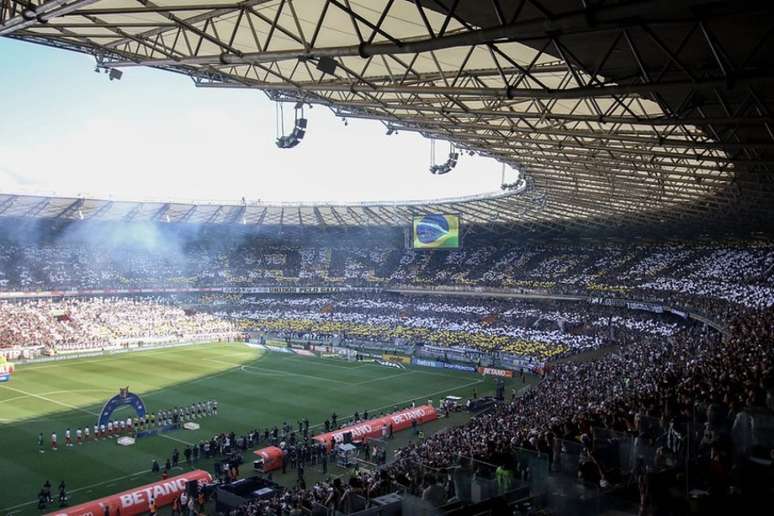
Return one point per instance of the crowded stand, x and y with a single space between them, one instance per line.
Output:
540 330
668 395
716 276
64 326
623 422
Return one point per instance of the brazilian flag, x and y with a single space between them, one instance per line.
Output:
436 231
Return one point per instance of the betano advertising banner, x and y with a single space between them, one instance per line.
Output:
136 501
436 231
493 371
372 428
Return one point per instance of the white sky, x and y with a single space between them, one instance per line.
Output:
66 130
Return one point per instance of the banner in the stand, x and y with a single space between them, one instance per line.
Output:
648 307
137 500
677 312
224 290
373 428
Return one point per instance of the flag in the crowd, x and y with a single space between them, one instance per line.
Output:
489 319
327 309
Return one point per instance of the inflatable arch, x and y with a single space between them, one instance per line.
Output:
124 397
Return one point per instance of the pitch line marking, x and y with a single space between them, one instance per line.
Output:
281 373
61 403
84 488
322 362
384 378
54 392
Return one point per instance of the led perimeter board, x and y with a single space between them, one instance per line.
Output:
436 231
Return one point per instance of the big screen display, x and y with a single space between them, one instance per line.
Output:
436 231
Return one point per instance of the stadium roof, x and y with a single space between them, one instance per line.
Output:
620 112
494 208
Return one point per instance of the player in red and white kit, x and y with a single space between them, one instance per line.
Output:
53 441
102 431
110 429
86 433
96 432
79 436
68 438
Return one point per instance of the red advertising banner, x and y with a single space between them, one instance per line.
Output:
492 371
135 501
372 428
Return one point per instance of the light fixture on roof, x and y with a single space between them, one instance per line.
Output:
391 130
327 65
299 129
115 75
447 166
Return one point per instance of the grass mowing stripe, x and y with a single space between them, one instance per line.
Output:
108 358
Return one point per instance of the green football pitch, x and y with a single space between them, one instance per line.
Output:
254 390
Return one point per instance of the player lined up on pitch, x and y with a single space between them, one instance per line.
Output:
132 426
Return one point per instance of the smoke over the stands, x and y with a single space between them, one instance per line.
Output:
174 246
